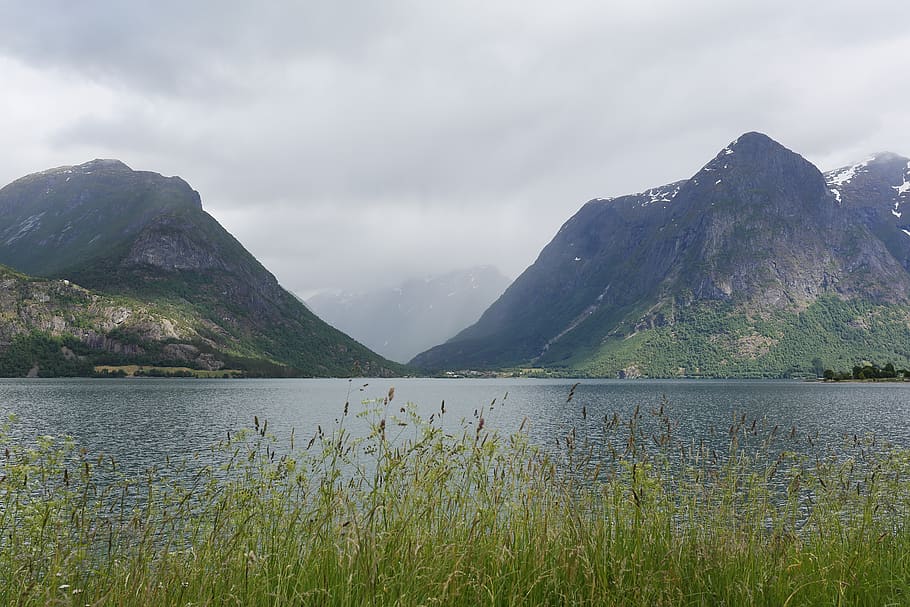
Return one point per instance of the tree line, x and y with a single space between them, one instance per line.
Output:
867 371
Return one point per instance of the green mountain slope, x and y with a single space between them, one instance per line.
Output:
717 339
145 241
717 275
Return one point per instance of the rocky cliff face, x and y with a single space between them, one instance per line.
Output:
110 326
143 238
758 232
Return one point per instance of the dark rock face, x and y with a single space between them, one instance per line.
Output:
758 228
102 342
169 243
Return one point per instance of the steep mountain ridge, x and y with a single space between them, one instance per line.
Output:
770 234
758 233
146 238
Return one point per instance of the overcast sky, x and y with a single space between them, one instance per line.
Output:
350 144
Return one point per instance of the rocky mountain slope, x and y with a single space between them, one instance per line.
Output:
143 240
402 321
757 265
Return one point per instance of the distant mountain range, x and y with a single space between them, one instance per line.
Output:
402 321
758 265
133 270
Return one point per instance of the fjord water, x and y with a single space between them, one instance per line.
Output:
141 421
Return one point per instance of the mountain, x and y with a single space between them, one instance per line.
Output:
402 321
145 241
757 265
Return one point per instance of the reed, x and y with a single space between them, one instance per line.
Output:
409 513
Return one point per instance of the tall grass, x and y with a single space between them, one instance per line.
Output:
409 513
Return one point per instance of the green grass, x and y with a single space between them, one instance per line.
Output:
407 513
155 371
712 339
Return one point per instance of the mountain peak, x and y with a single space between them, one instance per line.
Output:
888 158
753 137
87 208
753 143
98 165
755 164
109 164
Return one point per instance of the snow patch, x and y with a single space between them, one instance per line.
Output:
836 195
28 224
718 182
577 259
896 214
663 194
907 232
843 176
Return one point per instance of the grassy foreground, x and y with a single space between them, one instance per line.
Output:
409 514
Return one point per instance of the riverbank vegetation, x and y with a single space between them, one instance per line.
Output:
119 371
868 371
423 510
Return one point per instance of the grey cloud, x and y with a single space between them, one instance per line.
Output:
170 47
351 142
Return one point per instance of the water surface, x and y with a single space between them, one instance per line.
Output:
140 421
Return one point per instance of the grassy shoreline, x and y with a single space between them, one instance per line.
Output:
161 371
409 513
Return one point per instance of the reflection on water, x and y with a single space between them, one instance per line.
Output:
141 421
